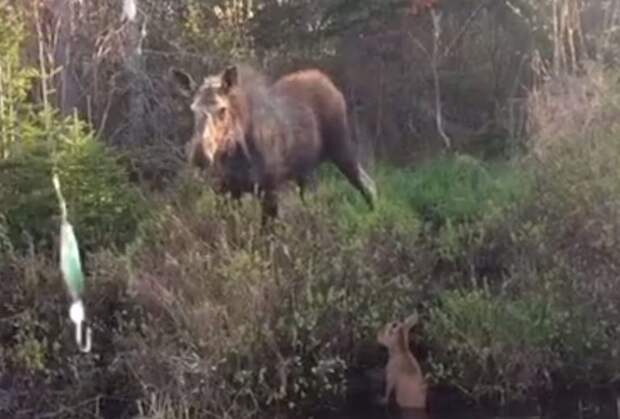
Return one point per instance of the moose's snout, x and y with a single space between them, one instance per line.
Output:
195 155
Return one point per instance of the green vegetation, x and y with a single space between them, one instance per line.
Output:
276 321
511 263
34 141
253 308
104 207
442 193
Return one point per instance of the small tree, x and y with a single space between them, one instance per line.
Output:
36 140
14 79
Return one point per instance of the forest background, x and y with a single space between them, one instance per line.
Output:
492 129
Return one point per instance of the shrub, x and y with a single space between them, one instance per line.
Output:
578 183
572 109
102 205
276 321
39 350
511 345
556 244
491 345
547 318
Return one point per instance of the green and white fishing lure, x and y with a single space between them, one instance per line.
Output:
71 269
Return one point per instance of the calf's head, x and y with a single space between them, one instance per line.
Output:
395 335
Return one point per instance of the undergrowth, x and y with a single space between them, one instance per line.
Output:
511 266
249 321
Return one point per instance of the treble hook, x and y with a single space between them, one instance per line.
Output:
76 313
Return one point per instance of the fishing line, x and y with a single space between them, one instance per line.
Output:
72 274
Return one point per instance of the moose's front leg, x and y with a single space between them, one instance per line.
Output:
269 205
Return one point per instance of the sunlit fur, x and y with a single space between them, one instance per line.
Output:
402 372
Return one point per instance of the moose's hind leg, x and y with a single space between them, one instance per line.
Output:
301 185
306 183
269 206
360 180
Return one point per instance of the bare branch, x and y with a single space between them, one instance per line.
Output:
474 14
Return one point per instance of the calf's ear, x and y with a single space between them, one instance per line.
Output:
411 320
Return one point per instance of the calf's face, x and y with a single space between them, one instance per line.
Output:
388 336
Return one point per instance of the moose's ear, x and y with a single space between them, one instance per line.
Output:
184 82
230 78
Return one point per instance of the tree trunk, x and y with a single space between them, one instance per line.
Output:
63 27
134 65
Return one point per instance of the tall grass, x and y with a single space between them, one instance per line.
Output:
453 190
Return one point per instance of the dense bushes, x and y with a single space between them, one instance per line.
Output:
244 321
274 318
102 205
491 344
557 290
207 314
248 320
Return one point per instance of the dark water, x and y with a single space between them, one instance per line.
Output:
592 405
578 402
393 413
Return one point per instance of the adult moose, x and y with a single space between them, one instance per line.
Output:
256 135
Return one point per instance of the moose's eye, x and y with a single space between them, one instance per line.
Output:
220 113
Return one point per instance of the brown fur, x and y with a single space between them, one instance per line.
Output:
403 374
256 135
